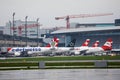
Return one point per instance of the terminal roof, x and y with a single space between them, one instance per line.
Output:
85 29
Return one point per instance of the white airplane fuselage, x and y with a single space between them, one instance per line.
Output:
62 49
17 50
94 50
77 50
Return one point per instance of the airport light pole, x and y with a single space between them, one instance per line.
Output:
13 30
10 27
37 32
26 29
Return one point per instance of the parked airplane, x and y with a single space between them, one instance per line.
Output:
17 51
64 50
106 47
79 50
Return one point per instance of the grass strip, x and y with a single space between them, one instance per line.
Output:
61 58
20 64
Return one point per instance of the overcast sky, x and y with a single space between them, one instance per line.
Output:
47 10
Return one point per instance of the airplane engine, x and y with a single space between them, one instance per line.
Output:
77 52
24 54
29 53
17 54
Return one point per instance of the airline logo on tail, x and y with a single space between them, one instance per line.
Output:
72 43
86 43
54 42
96 44
108 44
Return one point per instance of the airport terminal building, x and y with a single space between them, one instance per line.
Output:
93 33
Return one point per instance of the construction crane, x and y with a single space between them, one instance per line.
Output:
23 26
68 17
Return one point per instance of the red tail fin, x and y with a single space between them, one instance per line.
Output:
96 44
9 48
108 44
86 43
54 42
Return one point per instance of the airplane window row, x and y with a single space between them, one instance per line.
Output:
24 49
